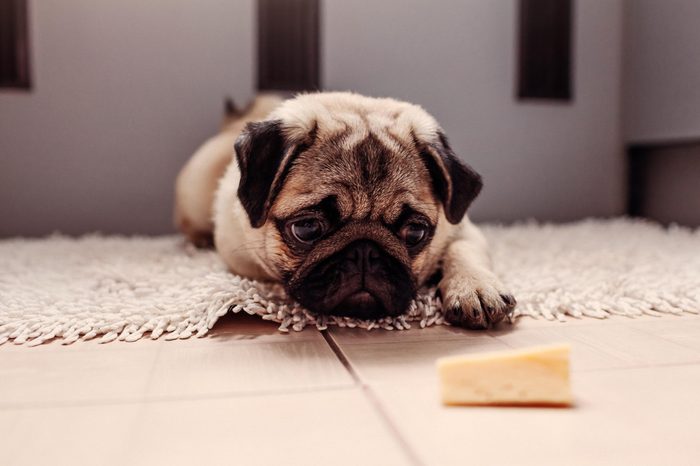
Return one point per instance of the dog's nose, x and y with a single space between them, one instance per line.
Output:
363 257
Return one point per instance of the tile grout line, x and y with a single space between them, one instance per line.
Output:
629 365
667 339
372 398
254 393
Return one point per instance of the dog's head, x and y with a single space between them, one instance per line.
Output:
353 198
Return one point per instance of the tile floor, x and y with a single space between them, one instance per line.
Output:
246 394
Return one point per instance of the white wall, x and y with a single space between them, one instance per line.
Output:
123 93
662 70
457 59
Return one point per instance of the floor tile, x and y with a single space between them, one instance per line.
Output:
685 332
73 435
248 394
219 367
328 427
331 427
351 336
596 347
8 426
633 346
248 356
411 360
631 416
46 376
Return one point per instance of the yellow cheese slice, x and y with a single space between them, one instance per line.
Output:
531 376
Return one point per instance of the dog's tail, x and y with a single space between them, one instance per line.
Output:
230 109
257 109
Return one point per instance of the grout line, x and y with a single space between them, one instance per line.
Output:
661 365
211 337
152 372
626 364
665 338
373 400
168 399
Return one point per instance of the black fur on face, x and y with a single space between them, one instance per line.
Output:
361 271
359 281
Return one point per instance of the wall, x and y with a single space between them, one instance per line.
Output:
457 59
124 91
662 70
662 104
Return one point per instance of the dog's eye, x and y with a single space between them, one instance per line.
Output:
307 230
413 233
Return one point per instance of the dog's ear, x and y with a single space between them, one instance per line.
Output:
455 183
263 157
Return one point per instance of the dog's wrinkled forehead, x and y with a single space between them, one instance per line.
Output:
367 179
360 149
328 114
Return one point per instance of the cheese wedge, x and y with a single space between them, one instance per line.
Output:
533 376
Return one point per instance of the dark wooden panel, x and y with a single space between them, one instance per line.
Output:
545 48
14 44
288 45
663 181
636 180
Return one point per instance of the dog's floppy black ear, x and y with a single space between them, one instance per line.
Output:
263 159
455 182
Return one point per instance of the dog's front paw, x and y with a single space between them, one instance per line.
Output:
475 304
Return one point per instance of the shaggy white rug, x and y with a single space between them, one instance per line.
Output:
127 288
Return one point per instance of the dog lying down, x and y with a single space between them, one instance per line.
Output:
351 202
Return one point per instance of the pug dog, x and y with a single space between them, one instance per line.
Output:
351 202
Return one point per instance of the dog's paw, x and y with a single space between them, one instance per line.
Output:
475 304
